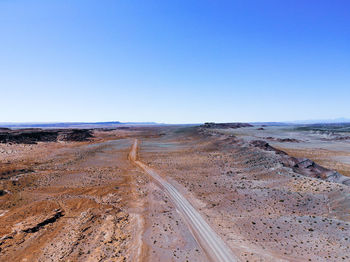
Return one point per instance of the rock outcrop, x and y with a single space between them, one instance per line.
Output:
32 136
304 166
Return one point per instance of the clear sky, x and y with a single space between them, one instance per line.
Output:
180 61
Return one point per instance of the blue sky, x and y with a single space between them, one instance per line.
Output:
181 61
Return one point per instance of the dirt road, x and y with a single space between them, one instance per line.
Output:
210 242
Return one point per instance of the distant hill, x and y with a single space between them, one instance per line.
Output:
73 124
321 121
304 122
268 124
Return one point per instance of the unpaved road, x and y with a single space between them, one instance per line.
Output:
210 242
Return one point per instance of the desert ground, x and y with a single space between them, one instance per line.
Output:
232 192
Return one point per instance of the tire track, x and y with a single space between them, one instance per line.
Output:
210 242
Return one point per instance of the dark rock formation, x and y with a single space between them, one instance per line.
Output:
225 125
266 146
32 136
283 140
74 135
304 166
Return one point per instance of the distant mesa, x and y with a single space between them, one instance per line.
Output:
225 125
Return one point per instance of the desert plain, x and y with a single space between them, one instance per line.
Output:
212 192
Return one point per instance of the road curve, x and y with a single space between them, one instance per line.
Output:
211 243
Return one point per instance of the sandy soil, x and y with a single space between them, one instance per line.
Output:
73 201
265 212
85 201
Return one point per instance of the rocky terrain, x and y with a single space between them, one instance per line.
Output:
67 202
72 199
33 135
264 209
304 166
